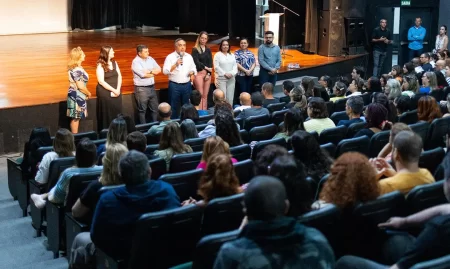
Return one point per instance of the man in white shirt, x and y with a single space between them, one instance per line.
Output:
245 100
144 70
180 68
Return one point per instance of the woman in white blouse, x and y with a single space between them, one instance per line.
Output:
441 40
225 67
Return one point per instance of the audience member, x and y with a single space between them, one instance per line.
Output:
307 150
318 114
355 88
353 108
383 80
408 69
137 141
164 114
440 67
287 88
428 109
429 82
293 121
188 129
447 104
410 86
308 86
270 239
440 79
218 97
188 111
39 137
447 71
393 89
227 128
407 148
267 92
402 104
117 133
195 99
171 143
425 62
383 100
358 72
257 108
376 118
396 73
339 91
386 152
219 109
298 100
266 156
214 145
245 99
321 91
131 125
374 85
327 83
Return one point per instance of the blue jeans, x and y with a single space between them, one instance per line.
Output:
378 61
146 98
415 53
265 77
245 83
178 96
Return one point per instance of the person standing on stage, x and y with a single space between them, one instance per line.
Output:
381 37
109 97
246 63
416 35
225 67
144 70
441 40
269 57
181 69
203 61
78 93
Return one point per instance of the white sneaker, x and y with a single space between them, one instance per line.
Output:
38 201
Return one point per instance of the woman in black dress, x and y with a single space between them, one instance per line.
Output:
109 97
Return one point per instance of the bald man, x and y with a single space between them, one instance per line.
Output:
246 101
218 97
440 66
164 114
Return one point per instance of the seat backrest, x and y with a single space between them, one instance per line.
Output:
150 149
201 127
421 128
185 162
357 144
431 159
223 214
339 105
204 119
184 183
244 135
265 132
436 133
439 263
240 122
166 238
103 134
108 188
77 185
367 98
278 116
208 248
330 107
377 143
409 117
41 151
275 107
236 113
58 166
241 152
320 186
100 158
333 135
91 135
330 148
254 121
146 126
153 138
425 196
158 166
338 116
354 128
415 100
244 171
99 142
262 144
438 94
196 143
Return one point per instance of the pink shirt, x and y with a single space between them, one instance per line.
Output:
202 164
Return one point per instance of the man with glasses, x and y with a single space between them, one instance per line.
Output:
269 57
425 62
381 37
416 35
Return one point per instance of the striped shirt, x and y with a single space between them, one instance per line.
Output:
246 59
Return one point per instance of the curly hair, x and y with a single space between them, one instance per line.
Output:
214 145
307 151
428 109
227 128
352 179
266 157
219 179
75 58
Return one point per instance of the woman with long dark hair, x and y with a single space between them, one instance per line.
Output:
293 121
376 118
227 128
203 61
109 97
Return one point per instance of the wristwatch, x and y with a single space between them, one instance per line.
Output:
151 72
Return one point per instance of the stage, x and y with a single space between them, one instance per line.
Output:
34 80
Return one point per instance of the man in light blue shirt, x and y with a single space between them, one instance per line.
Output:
269 57
416 35
145 69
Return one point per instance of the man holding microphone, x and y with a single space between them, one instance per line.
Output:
180 68
381 37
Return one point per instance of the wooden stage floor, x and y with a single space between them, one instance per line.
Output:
33 67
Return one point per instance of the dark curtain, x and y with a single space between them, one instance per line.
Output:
161 13
295 25
241 18
203 15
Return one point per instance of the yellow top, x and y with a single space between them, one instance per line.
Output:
334 99
405 181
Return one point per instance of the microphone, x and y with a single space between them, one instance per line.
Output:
181 57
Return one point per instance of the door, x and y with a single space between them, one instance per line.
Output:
408 17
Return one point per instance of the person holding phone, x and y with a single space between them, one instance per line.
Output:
381 37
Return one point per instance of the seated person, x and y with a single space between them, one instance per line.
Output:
355 88
287 88
164 114
245 100
429 83
353 108
432 243
307 85
298 99
85 161
223 125
271 239
214 145
428 109
339 91
425 60
137 141
447 104
410 86
407 148
376 119
188 129
63 146
386 152
327 82
320 91
188 111
318 114
257 108
195 98
352 180
402 104
117 133
293 121
84 207
171 143
119 209
218 97
267 92
266 156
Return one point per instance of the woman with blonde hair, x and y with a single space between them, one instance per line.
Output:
109 99
85 205
203 61
78 93
117 133
214 145
429 82
393 89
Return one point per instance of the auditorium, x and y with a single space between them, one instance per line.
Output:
244 134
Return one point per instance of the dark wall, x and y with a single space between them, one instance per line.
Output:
295 25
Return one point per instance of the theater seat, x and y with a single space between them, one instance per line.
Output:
158 166
241 152
254 121
425 196
322 182
259 146
143 128
332 135
265 132
421 128
244 171
330 107
208 248
185 162
377 143
431 159
201 127
99 142
330 148
196 143
184 183
339 105
438 94
103 134
91 135
150 149
438 263
223 214
409 117
278 116
204 119
153 138
275 107
367 98
244 135
355 128
338 116
357 144
437 132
